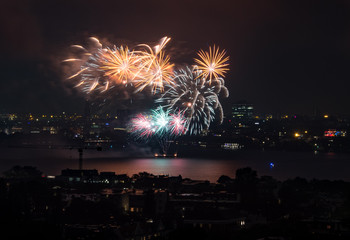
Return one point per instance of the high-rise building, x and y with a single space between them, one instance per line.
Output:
242 111
87 119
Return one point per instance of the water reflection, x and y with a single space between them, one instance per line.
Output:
285 164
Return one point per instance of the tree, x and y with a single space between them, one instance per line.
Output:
246 182
223 179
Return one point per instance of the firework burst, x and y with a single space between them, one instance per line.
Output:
155 67
142 126
120 65
89 77
190 102
195 97
160 119
177 124
212 64
100 69
160 125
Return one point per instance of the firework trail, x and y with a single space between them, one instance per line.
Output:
120 65
212 64
195 97
161 126
89 75
142 126
158 122
155 67
191 92
103 68
160 119
177 124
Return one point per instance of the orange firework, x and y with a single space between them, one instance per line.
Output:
119 64
155 71
155 67
212 64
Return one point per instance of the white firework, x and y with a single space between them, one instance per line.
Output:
195 97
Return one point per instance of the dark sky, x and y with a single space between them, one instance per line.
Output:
285 56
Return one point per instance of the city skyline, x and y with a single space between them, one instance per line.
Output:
294 52
163 120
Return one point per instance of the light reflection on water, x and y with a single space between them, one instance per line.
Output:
285 164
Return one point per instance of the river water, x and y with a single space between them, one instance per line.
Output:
278 164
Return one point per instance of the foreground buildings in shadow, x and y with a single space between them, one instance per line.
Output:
86 204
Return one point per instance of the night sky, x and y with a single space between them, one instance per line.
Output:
285 56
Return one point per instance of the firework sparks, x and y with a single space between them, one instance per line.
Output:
191 92
161 126
102 68
212 64
142 126
88 76
160 120
119 64
195 98
177 124
155 67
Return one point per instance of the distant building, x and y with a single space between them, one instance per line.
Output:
242 111
334 133
77 175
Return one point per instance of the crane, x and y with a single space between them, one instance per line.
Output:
79 148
